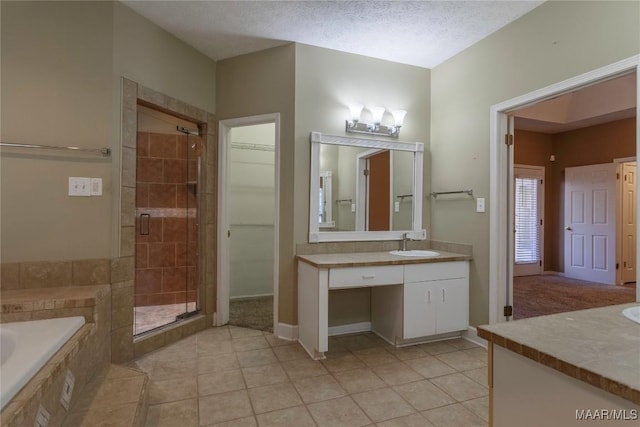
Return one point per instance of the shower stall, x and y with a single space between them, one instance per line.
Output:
167 276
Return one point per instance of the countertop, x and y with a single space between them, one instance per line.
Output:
360 259
598 346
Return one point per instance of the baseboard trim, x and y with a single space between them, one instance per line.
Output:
250 296
351 328
286 332
471 334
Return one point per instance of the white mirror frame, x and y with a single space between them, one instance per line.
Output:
315 235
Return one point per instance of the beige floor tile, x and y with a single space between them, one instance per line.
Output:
342 361
257 376
462 361
479 406
273 397
106 416
335 346
220 382
382 404
437 347
462 344
317 389
214 348
406 353
182 413
171 390
240 422
238 332
358 380
290 352
303 368
375 356
479 375
430 367
454 416
460 387
340 412
358 342
263 356
297 416
221 362
423 395
217 408
396 373
477 353
413 420
220 333
250 343
275 341
165 370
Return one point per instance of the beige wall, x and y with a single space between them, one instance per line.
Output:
555 41
56 90
262 83
327 81
61 69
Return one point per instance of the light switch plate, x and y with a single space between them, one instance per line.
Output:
480 205
396 206
79 186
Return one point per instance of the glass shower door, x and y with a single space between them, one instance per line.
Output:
167 202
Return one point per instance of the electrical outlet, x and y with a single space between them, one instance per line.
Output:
79 186
396 206
96 186
67 390
42 417
480 205
353 207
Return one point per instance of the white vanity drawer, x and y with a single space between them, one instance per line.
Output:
435 271
353 277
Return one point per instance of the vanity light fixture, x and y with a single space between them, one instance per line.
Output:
376 128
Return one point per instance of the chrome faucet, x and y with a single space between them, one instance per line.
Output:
405 239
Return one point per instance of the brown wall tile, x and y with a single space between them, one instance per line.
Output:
10 275
150 170
142 255
175 171
142 195
143 144
174 230
148 281
162 145
45 274
155 231
162 255
91 272
174 279
162 195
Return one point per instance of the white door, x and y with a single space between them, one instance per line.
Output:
528 211
589 223
628 223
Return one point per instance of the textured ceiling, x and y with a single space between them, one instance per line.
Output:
421 33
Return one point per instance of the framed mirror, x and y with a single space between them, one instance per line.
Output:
364 189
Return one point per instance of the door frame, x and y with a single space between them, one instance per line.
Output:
362 188
223 252
501 173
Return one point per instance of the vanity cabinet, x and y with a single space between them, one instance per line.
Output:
433 300
410 301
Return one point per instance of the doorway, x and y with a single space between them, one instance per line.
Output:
168 165
529 220
502 241
248 225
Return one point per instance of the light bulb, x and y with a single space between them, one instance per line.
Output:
377 113
356 110
398 116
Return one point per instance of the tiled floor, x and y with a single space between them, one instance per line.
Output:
233 376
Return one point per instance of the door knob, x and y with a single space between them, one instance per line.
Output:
568 228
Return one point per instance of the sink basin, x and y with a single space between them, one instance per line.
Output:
632 313
416 253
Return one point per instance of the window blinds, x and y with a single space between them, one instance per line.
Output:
527 222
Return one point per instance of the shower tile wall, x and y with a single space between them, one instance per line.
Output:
166 258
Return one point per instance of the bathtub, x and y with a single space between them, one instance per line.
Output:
25 347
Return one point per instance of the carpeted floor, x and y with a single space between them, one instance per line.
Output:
254 313
549 294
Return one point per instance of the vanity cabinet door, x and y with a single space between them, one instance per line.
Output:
419 314
452 305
